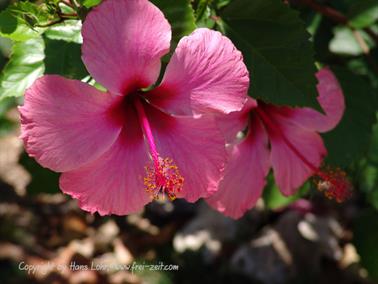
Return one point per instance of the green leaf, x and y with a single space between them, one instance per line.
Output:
64 58
180 15
363 13
6 104
32 13
276 50
91 3
6 125
15 28
322 37
365 239
24 66
368 176
43 180
89 80
221 3
36 15
201 10
204 13
373 150
345 43
274 199
359 65
69 30
349 141
369 182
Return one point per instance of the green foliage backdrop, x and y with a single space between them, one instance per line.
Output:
283 44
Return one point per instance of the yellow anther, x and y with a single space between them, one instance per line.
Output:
163 179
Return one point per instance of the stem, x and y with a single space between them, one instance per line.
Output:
62 18
50 23
329 12
361 42
69 16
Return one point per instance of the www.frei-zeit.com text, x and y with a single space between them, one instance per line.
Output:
73 266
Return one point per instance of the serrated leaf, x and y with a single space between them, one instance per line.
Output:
69 30
64 58
24 66
180 15
349 141
363 13
276 50
15 28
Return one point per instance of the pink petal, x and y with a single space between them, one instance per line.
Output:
245 173
113 184
296 152
196 146
206 74
66 123
234 122
123 43
331 99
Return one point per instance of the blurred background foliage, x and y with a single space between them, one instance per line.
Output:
301 239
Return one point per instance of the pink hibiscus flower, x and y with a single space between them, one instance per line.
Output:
285 139
119 148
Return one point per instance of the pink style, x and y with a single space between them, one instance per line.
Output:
285 139
118 149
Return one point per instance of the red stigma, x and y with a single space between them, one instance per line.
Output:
163 179
334 183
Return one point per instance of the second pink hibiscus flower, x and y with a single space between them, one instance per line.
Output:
285 139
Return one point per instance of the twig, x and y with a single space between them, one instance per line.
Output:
68 16
361 42
337 17
329 12
340 18
62 18
50 23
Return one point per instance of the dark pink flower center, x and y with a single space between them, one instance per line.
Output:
162 175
